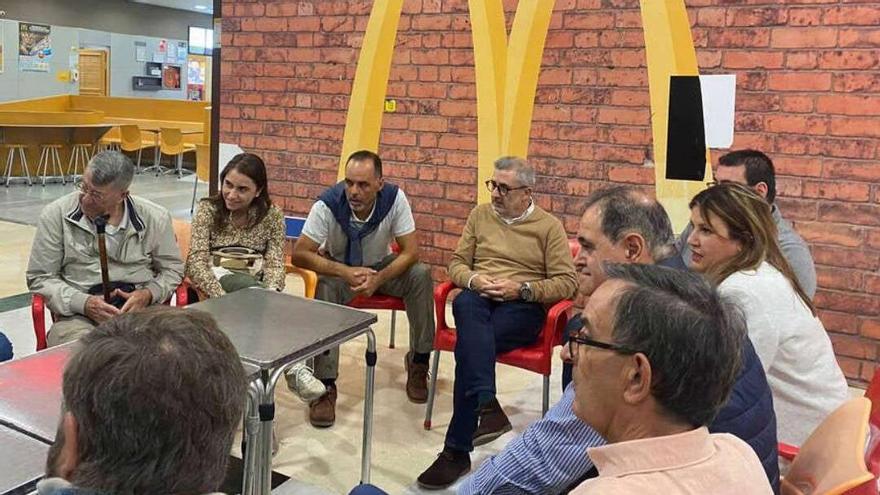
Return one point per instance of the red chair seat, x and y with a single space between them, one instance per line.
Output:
378 301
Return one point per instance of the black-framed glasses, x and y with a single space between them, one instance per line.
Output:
88 191
503 189
575 339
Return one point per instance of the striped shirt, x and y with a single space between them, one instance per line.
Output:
547 458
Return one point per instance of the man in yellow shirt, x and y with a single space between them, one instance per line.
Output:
512 259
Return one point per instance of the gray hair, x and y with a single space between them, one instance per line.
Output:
692 336
625 210
156 396
525 174
111 167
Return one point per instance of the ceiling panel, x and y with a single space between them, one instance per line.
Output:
201 6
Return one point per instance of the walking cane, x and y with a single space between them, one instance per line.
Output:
100 225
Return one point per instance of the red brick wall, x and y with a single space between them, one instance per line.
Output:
808 94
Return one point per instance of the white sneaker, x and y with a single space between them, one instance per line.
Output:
303 383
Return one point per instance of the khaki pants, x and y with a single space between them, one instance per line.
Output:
69 328
416 289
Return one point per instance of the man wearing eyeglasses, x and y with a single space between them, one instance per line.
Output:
755 169
511 260
619 225
143 259
655 361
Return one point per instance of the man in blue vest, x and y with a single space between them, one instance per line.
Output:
347 240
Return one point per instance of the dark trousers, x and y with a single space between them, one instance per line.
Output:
484 329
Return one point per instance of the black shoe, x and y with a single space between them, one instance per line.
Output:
446 470
493 423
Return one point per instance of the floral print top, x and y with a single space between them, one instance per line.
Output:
266 237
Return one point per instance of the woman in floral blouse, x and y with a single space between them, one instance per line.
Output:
242 223
238 242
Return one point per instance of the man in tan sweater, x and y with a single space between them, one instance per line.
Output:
512 259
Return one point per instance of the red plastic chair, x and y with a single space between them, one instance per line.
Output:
537 357
382 301
872 451
38 313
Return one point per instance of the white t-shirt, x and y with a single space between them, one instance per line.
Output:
321 226
794 348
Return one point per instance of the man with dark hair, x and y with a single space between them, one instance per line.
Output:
347 240
755 169
512 259
619 225
143 259
137 416
656 359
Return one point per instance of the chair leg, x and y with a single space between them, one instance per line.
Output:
393 325
8 173
138 169
44 164
192 205
429 409
56 165
24 165
545 401
180 165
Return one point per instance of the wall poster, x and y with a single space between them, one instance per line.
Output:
34 47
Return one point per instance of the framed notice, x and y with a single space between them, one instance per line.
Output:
34 47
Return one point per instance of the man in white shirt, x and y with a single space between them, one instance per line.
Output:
347 240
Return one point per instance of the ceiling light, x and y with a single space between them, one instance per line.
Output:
200 7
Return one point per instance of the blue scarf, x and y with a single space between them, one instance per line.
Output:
336 200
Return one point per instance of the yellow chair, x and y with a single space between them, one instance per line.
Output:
203 164
131 139
109 141
832 460
171 143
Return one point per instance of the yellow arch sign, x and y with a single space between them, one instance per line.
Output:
507 77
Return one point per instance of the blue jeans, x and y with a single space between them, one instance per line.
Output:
5 348
484 328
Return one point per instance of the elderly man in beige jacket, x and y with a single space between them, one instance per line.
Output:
143 259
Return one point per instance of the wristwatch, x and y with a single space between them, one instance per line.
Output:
525 292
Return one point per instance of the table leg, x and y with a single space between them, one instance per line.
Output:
370 356
250 445
267 416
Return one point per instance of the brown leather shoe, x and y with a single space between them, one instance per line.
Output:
446 470
493 423
416 379
322 412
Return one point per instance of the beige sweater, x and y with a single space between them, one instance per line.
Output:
533 250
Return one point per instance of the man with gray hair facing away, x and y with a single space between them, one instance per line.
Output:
143 259
655 361
137 417
512 259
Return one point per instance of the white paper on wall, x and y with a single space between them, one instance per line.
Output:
719 102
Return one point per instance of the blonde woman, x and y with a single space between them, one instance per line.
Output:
734 243
238 242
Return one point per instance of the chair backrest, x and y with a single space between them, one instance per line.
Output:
832 460
873 394
170 141
293 226
575 247
130 138
183 232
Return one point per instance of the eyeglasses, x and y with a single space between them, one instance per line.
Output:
575 339
503 189
88 191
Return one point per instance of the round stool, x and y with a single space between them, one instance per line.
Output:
49 155
10 161
79 156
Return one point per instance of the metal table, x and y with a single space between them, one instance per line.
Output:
30 392
22 462
273 330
